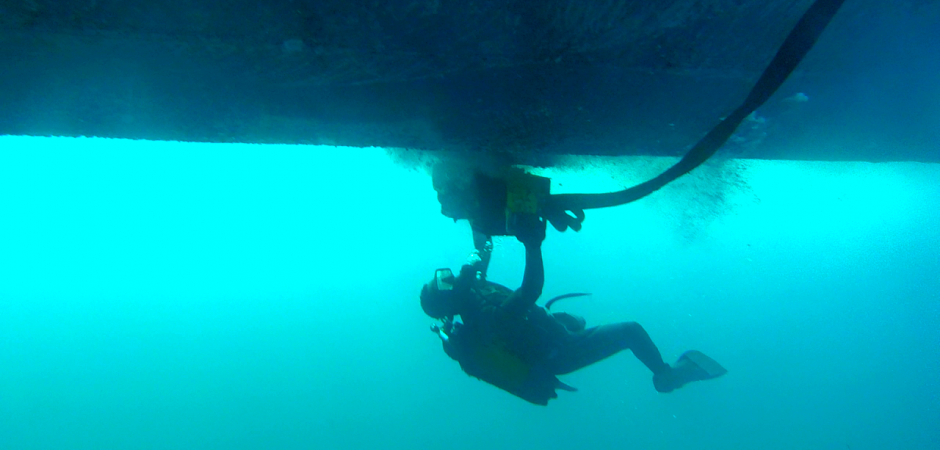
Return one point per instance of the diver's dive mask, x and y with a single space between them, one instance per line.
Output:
444 279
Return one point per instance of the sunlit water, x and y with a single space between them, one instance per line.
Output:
177 296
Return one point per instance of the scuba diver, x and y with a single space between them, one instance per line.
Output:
505 339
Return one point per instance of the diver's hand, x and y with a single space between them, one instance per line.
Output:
562 220
474 259
531 230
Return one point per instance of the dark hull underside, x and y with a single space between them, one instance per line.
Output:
518 78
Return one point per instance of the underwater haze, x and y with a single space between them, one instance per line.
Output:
160 295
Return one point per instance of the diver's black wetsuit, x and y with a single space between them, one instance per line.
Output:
581 349
494 311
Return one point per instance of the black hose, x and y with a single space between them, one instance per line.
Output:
791 52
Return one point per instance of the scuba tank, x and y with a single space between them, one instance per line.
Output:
493 363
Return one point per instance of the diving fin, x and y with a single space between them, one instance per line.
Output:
693 365
710 366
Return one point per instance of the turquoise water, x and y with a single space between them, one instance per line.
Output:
183 296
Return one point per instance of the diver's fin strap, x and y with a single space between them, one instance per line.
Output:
548 304
800 40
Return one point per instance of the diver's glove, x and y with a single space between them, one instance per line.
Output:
561 220
478 258
474 258
530 230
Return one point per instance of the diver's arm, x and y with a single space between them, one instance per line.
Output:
481 257
533 280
